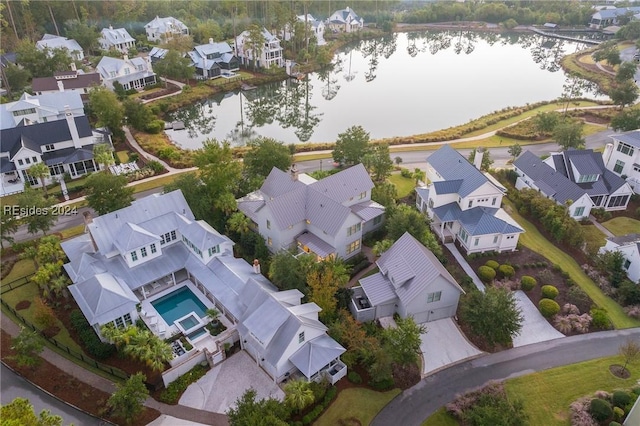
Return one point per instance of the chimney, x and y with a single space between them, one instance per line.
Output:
477 160
256 266
110 27
71 122
73 66
211 41
87 220
125 57
60 85
347 8
294 172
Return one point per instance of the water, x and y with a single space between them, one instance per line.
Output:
178 304
399 85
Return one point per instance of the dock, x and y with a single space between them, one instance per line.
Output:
563 37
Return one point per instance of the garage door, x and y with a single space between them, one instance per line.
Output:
434 314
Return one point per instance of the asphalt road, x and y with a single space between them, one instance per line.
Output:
416 404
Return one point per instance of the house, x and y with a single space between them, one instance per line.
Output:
66 146
69 81
154 261
464 204
629 246
134 73
611 16
326 217
118 39
157 53
411 283
40 108
163 29
316 28
575 178
214 60
345 20
269 55
623 157
51 42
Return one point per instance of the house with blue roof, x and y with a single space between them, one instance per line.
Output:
214 60
345 20
464 204
622 157
611 16
575 178
155 262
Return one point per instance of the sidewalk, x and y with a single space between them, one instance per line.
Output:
465 266
598 225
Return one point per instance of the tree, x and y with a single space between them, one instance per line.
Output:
407 219
568 134
486 159
127 401
86 35
174 65
626 71
288 272
40 171
255 42
239 224
351 146
42 63
204 30
263 155
403 342
103 155
492 315
35 211
624 93
515 150
545 122
250 411
324 279
8 225
626 120
195 193
378 162
107 193
20 412
27 345
17 78
350 334
106 109
386 194
381 246
630 351
140 344
298 394
419 175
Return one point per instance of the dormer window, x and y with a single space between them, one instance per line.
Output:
587 178
213 250
24 112
301 337
127 71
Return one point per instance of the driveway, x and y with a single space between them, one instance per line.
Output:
444 344
534 327
219 389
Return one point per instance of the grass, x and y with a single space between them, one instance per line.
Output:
538 243
22 268
123 156
547 394
72 232
155 183
356 403
594 238
620 226
403 185
440 418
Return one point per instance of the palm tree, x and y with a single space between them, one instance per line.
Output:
40 171
418 175
239 223
103 155
213 313
381 246
298 394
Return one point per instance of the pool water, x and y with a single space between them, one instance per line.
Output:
189 322
197 333
178 304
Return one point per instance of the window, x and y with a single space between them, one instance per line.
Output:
268 224
112 74
463 235
476 241
636 167
127 319
353 229
431 203
49 147
493 202
162 241
625 149
363 195
28 161
434 297
127 71
214 250
377 220
119 322
173 235
510 237
153 248
134 255
20 162
301 337
495 239
34 159
579 212
618 167
627 264
470 203
353 246
24 112
143 252
56 170
618 201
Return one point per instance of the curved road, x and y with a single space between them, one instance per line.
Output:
416 404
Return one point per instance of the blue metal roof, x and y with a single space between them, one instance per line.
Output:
630 138
451 165
447 186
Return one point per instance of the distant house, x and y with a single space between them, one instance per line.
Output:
157 53
607 17
51 42
213 60
464 204
623 157
270 54
43 108
326 217
316 28
134 73
411 283
575 178
118 38
67 81
163 29
629 246
345 20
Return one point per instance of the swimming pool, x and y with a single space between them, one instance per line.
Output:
178 304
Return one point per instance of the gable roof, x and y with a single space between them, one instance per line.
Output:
168 24
80 81
115 36
315 354
47 104
344 185
341 16
625 239
103 297
57 42
630 138
452 166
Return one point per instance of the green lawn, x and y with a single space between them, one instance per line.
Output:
123 156
536 242
358 403
440 418
22 268
622 226
155 183
404 186
546 395
593 237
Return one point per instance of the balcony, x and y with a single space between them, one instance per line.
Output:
360 306
336 372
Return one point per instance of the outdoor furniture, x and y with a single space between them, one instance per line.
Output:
161 329
155 285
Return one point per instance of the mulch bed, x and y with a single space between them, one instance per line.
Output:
619 371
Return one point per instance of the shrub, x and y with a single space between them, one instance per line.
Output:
486 274
154 127
549 292
94 346
621 398
155 166
527 283
548 307
600 319
354 377
382 384
618 413
615 424
506 271
492 264
172 393
319 389
406 173
600 409
577 296
43 314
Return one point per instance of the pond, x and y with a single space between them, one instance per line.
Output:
398 85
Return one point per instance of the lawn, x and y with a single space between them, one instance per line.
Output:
155 183
622 226
594 238
356 403
538 243
123 156
440 418
22 268
546 395
404 185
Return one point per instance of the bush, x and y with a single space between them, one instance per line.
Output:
383 384
577 296
600 409
615 424
549 292
406 173
600 319
354 377
527 283
154 127
486 274
506 271
492 264
92 343
548 307
618 413
155 166
172 393
621 398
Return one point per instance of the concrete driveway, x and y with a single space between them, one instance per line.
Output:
444 344
535 327
219 389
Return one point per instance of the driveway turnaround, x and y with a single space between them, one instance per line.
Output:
165 420
444 344
534 327
219 389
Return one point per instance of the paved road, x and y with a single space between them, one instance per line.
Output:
416 404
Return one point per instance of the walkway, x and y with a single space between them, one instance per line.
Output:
177 83
598 225
367 251
465 266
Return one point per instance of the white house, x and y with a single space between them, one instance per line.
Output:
118 38
623 157
411 283
345 20
154 261
606 17
575 178
213 60
629 246
464 204
327 217
134 73
163 29
51 42
269 55
41 108
70 81
316 28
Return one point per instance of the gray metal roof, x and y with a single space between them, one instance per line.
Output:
378 289
265 320
131 237
289 208
479 220
115 36
625 239
368 210
6 165
316 245
316 354
50 41
423 192
203 235
630 138
451 165
279 183
584 161
103 297
613 13
345 185
447 186
325 213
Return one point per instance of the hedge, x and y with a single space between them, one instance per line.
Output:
173 392
506 271
94 346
